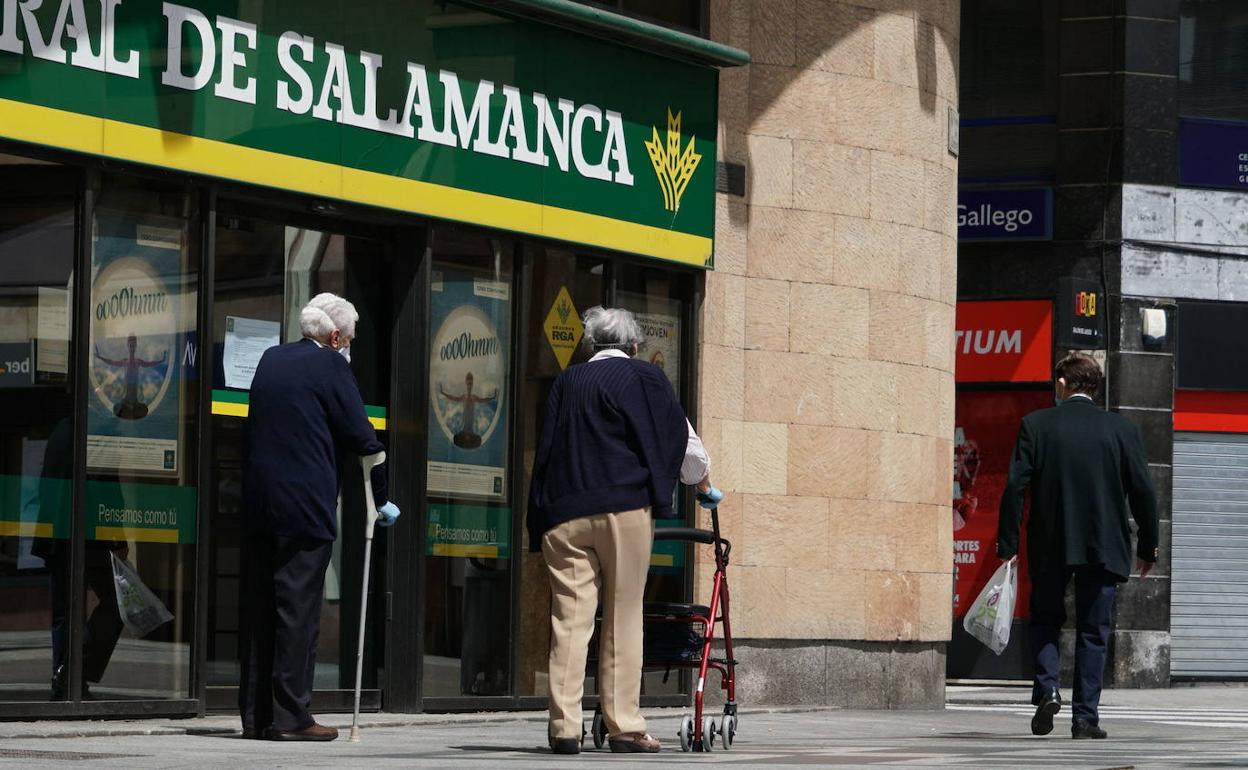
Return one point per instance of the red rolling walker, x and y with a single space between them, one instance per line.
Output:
698 732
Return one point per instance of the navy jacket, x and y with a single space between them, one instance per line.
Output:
613 440
1083 465
306 418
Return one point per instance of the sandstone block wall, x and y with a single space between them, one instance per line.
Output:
827 326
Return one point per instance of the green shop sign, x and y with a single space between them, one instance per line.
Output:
468 530
429 107
147 513
31 506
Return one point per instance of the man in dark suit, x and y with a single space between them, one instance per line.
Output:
1083 465
306 419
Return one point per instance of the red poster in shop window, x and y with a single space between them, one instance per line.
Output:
987 427
1004 341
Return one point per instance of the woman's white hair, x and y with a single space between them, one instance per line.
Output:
326 312
611 327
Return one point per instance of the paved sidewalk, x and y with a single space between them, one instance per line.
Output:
1203 727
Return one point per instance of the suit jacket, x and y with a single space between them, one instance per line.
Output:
1083 464
306 418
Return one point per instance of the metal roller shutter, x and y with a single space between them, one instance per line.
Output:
1209 583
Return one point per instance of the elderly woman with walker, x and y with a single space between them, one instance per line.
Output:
613 445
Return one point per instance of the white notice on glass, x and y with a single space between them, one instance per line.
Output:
246 339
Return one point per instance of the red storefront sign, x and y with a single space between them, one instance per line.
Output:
1006 341
1211 411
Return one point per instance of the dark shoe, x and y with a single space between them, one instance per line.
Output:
565 745
312 732
1042 722
60 683
1081 728
634 743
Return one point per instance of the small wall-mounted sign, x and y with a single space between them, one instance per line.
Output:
1080 314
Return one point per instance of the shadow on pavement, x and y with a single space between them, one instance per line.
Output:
504 749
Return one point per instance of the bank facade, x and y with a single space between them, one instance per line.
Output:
182 177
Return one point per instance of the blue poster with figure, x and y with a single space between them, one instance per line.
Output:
468 369
142 309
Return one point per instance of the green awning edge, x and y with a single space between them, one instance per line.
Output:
621 29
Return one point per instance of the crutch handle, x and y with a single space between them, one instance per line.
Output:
367 463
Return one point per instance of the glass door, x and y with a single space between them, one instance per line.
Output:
139 512
267 268
470 496
37 245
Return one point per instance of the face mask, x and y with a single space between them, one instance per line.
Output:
346 353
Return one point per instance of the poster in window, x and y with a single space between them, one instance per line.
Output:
140 316
987 426
662 343
468 369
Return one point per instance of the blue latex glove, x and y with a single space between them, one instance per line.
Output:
710 498
387 514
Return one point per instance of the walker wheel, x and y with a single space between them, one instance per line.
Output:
599 730
728 732
686 733
708 733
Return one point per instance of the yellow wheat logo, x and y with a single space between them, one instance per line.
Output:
673 168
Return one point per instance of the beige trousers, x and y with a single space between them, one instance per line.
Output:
611 550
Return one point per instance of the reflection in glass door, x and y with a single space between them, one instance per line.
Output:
468 519
37 217
265 273
139 513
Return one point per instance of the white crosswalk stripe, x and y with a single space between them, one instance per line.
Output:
1180 717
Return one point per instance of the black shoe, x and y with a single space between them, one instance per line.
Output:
1042 722
1081 728
60 682
565 745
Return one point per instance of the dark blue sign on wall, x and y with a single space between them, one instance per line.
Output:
1213 153
1005 215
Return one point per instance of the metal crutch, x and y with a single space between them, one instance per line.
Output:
368 462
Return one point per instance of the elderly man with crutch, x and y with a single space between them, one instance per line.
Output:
613 445
306 420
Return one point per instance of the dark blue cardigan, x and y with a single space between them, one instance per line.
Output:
306 420
613 440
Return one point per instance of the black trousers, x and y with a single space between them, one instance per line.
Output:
103 626
282 584
1094 608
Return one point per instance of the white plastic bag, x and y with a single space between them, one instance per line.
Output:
141 611
991 614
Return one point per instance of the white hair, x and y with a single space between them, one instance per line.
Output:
326 312
611 327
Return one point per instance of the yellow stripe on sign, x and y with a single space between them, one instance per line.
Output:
230 409
455 549
209 157
25 529
141 534
568 225
662 560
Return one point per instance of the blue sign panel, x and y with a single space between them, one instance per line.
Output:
1005 215
1213 153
